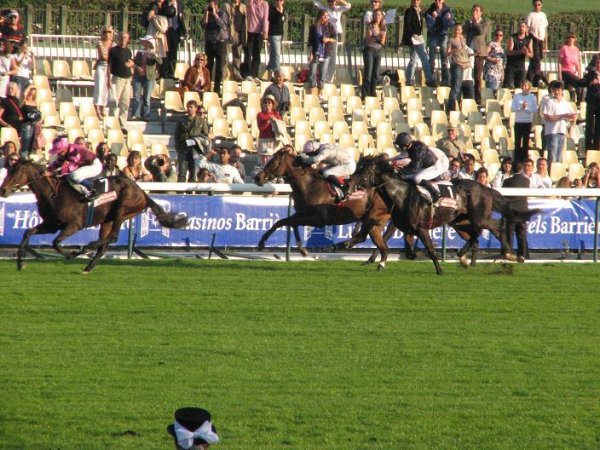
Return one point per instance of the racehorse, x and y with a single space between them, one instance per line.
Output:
60 208
315 206
412 214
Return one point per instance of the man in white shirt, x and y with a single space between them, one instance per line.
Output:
537 22
375 4
334 8
557 114
222 171
541 179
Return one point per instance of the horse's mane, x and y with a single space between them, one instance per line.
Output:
381 163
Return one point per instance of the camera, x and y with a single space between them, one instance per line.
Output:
210 10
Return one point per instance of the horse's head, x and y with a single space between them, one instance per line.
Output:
367 170
277 166
19 174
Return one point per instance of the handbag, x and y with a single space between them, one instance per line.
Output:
417 39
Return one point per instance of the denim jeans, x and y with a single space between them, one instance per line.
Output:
414 51
554 144
372 62
456 77
27 130
274 52
142 90
441 41
322 66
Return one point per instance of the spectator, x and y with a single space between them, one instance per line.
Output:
9 148
161 169
235 159
10 109
204 176
557 115
7 67
216 35
591 178
134 169
81 141
321 39
280 92
468 84
482 176
493 68
591 80
103 152
197 77
541 179
413 38
7 163
144 78
524 105
457 52
569 67
176 31
110 167
238 32
454 169
258 31
222 170
158 24
264 120
101 71
537 22
368 17
519 48
374 40
516 224
476 30
120 63
440 20
453 145
468 170
24 63
31 119
504 172
335 9
193 125
277 17
12 29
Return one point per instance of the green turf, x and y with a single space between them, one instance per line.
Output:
326 355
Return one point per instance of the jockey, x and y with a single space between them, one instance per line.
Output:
426 164
76 162
339 162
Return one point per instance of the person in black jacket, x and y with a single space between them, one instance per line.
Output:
173 10
518 223
591 80
413 38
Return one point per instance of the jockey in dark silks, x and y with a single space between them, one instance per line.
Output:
427 164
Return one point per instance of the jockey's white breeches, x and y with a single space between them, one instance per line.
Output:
341 170
438 169
84 172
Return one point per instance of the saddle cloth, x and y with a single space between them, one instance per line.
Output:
103 192
446 189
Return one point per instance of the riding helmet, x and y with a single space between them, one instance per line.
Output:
403 140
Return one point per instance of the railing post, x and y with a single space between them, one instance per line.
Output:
125 19
29 11
400 24
64 15
48 25
307 20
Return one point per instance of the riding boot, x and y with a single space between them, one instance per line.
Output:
89 187
336 182
435 194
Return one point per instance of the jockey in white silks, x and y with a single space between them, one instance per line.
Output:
339 162
426 163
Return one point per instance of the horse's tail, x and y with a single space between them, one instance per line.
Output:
501 205
166 219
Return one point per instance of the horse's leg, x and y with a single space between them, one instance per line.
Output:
107 235
69 230
462 253
299 243
381 244
409 246
424 236
291 221
42 228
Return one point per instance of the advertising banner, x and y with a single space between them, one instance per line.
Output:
240 221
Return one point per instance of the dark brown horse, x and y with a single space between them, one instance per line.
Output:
61 210
316 207
413 215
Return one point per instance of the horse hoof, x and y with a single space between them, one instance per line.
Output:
520 259
411 257
510 257
463 261
381 266
85 272
303 251
367 262
260 247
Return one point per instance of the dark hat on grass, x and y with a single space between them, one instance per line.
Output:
192 427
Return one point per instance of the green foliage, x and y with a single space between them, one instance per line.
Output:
324 355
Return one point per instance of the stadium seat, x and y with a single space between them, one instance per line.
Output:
71 122
345 141
557 171
339 128
576 171
8 134
246 142
134 136
239 126
315 114
90 123
320 127
194 95
173 104
74 133
180 70
234 113
353 103
81 70
377 116
592 156
61 69
214 112
297 114
41 81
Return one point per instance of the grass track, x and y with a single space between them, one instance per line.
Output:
326 355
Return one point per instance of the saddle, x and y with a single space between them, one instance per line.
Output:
101 188
446 190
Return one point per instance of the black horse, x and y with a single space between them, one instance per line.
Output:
61 210
412 214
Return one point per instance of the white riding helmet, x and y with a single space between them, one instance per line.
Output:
310 147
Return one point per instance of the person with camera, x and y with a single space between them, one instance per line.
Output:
374 40
144 78
440 20
173 11
193 125
591 177
216 35
12 28
335 9
591 80
161 169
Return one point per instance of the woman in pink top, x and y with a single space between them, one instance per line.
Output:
569 66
